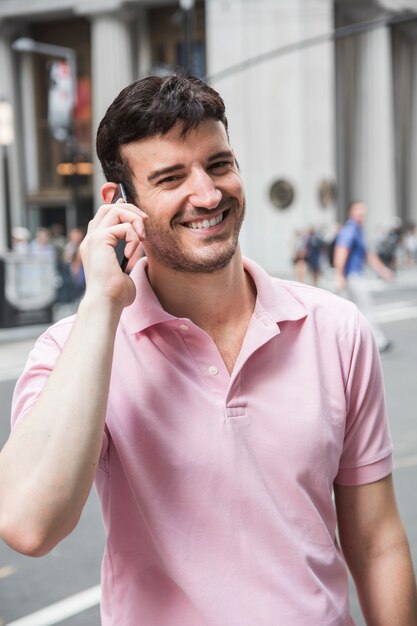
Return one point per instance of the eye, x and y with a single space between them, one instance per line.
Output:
169 179
220 165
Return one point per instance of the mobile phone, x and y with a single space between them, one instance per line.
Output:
120 248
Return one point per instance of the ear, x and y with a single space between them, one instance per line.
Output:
107 192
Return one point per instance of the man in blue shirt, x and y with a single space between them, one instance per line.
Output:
350 258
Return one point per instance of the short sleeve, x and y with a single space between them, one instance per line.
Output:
346 237
367 449
39 365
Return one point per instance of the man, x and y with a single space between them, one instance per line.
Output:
178 389
350 258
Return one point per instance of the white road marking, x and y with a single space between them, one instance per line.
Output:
384 316
60 611
397 304
7 571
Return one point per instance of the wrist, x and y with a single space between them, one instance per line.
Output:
100 310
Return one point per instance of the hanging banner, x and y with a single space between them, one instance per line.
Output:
60 100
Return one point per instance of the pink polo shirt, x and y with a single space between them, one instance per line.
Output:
216 490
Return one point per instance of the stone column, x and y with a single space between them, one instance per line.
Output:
412 181
373 151
112 69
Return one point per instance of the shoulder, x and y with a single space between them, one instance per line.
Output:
59 332
347 233
50 343
319 303
39 364
289 300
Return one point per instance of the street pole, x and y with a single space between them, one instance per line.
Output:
6 140
6 182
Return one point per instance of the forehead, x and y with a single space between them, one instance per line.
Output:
208 137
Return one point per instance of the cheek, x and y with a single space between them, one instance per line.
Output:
163 206
235 187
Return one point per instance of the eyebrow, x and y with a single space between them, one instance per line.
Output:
165 170
179 166
224 154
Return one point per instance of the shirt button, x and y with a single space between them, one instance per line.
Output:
213 370
184 327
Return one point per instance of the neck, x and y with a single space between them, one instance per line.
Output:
208 299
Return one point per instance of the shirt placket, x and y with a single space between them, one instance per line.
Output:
206 357
261 329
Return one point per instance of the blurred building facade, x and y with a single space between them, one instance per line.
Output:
320 113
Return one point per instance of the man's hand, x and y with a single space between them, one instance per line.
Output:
104 277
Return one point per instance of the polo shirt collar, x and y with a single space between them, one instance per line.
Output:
275 299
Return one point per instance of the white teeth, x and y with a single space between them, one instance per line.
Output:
200 225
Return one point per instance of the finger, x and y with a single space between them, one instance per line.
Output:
130 248
128 206
118 232
120 216
113 209
134 258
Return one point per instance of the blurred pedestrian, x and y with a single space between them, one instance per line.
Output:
331 238
58 239
41 245
313 254
299 254
20 240
350 259
72 257
410 245
388 245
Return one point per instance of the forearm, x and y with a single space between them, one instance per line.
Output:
48 465
340 258
376 550
386 586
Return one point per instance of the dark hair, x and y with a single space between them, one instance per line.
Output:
152 106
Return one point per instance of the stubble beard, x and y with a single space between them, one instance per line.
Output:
216 254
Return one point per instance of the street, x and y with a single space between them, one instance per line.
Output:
28 585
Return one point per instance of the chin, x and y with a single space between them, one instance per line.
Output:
206 262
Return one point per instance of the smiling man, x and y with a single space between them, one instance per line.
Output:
217 409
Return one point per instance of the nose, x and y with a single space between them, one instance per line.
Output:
203 192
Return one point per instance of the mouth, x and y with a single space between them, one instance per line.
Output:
206 222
